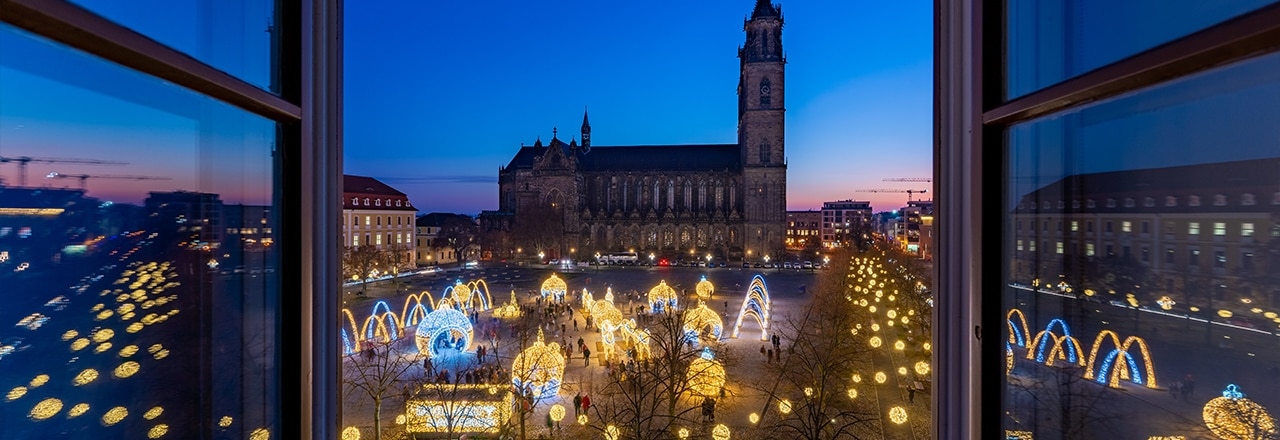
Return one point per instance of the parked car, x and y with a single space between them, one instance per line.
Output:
746 265
786 265
808 265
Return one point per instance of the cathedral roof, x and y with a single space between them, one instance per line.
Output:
699 157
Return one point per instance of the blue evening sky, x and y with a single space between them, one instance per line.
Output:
440 94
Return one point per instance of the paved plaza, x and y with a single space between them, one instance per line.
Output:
630 285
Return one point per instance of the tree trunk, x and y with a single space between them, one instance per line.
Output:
377 419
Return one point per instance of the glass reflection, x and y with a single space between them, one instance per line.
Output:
137 253
1051 41
234 36
1143 261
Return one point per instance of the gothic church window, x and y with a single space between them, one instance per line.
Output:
688 196
657 193
764 152
702 195
671 194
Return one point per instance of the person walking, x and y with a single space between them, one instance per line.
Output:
586 357
586 403
577 404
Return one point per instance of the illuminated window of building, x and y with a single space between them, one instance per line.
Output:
1247 199
1126 226
1059 248
368 220
1246 229
1088 249
1019 247
1219 229
1219 259
1075 226
1193 228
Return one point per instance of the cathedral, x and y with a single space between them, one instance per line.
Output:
727 200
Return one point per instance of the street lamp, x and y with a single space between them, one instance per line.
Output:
766 259
541 257
826 260
708 260
651 258
557 414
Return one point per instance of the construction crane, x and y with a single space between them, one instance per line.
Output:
909 179
85 177
909 192
22 162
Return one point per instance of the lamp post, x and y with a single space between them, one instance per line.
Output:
766 261
541 257
557 414
651 259
825 261
708 260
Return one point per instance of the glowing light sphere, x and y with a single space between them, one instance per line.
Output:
78 410
260 434
702 319
922 368
704 288
582 419
899 345
114 416
66 336
134 328
45 409
40 379
853 393
351 433
784 406
1232 416
902 371
161 354
539 369
663 296
1271 315
557 412
927 346
898 415
1225 313
753 418
682 433
808 391
891 314
16 393
102 348
720 432
158 431
86 376
705 374
225 422
875 327
104 315
875 342
611 432
871 309
881 377
857 378
152 413
554 287
103 335
441 326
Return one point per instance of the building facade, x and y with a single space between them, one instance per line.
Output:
374 213
803 230
840 218
430 226
725 199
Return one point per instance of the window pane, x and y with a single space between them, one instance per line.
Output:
1054 40
234 36
1120 330
144 270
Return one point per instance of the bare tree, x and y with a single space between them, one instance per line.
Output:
459 234
1060 399
395 259
539 226
378 372
359 262
451 408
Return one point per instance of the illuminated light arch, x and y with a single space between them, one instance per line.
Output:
698 319
705 375
705 289
410 315
1017 333
347 346
1097 345
662 296
1058 352
376 326
757 305
1045 337
480 290
442 322
1116 367
538 370
554 287
355 330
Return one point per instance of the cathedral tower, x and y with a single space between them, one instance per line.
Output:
761 131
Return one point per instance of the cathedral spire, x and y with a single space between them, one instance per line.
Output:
586 131
764 9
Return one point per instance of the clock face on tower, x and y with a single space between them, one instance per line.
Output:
764 89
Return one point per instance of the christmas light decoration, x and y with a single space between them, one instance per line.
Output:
898 415
1115 366
582 419
902 371
444 322
899 345
103 335
45 409
682 433
784 406
720 432
413 310
78 410
922 368
554 287
16 393
663 296
102 348
857 378
114 415
1018 330
702 319
126 369
152 413
557 412
510 310
483 415
128 350
260 434
1046 338
66 336
853 393
705 375
881 377
86 376
757 304
538 370
753 418
1019 435
874 341
79 344
611 432
1233 416
704 288
39 380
